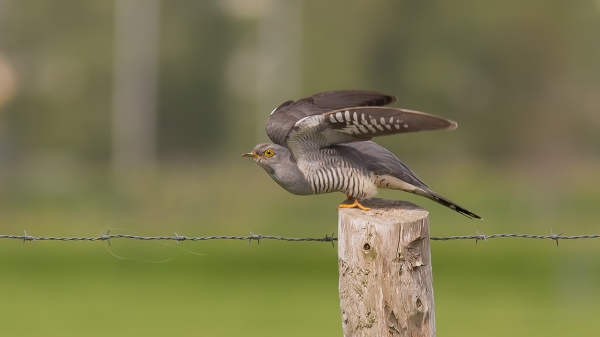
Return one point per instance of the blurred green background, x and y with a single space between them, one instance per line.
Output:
131 115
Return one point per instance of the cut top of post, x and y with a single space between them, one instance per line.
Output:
388 210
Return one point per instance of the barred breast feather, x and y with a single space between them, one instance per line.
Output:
328 172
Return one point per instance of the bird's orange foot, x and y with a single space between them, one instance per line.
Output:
354 204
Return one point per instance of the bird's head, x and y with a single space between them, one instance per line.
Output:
269 156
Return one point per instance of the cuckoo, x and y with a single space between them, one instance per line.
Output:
322 144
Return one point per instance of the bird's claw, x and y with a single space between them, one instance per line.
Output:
353 205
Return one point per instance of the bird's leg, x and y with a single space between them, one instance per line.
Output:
354 204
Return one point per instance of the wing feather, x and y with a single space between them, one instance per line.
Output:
369 122
359 124
340 99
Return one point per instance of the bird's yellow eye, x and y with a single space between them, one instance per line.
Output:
269 153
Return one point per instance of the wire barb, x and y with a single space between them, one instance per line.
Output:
330 239
27 237
256 237
481 237
555 237
105 237
179 238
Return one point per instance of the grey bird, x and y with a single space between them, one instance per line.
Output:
322 144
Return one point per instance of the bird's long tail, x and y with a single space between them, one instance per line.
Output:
445 202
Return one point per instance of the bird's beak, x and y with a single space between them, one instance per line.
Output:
250 154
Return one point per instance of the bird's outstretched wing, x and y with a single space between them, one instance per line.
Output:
284 117
359 124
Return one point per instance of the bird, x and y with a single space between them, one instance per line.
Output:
323 144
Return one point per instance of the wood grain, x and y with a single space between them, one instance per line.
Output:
384 260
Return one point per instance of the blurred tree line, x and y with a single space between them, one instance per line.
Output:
521 78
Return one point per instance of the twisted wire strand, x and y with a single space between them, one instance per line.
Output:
258 237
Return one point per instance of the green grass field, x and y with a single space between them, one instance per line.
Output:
507 287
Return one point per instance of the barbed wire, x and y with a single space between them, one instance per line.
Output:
179 238
552 236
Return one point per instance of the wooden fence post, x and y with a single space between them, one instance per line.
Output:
384 261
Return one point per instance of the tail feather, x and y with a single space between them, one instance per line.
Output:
445 202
